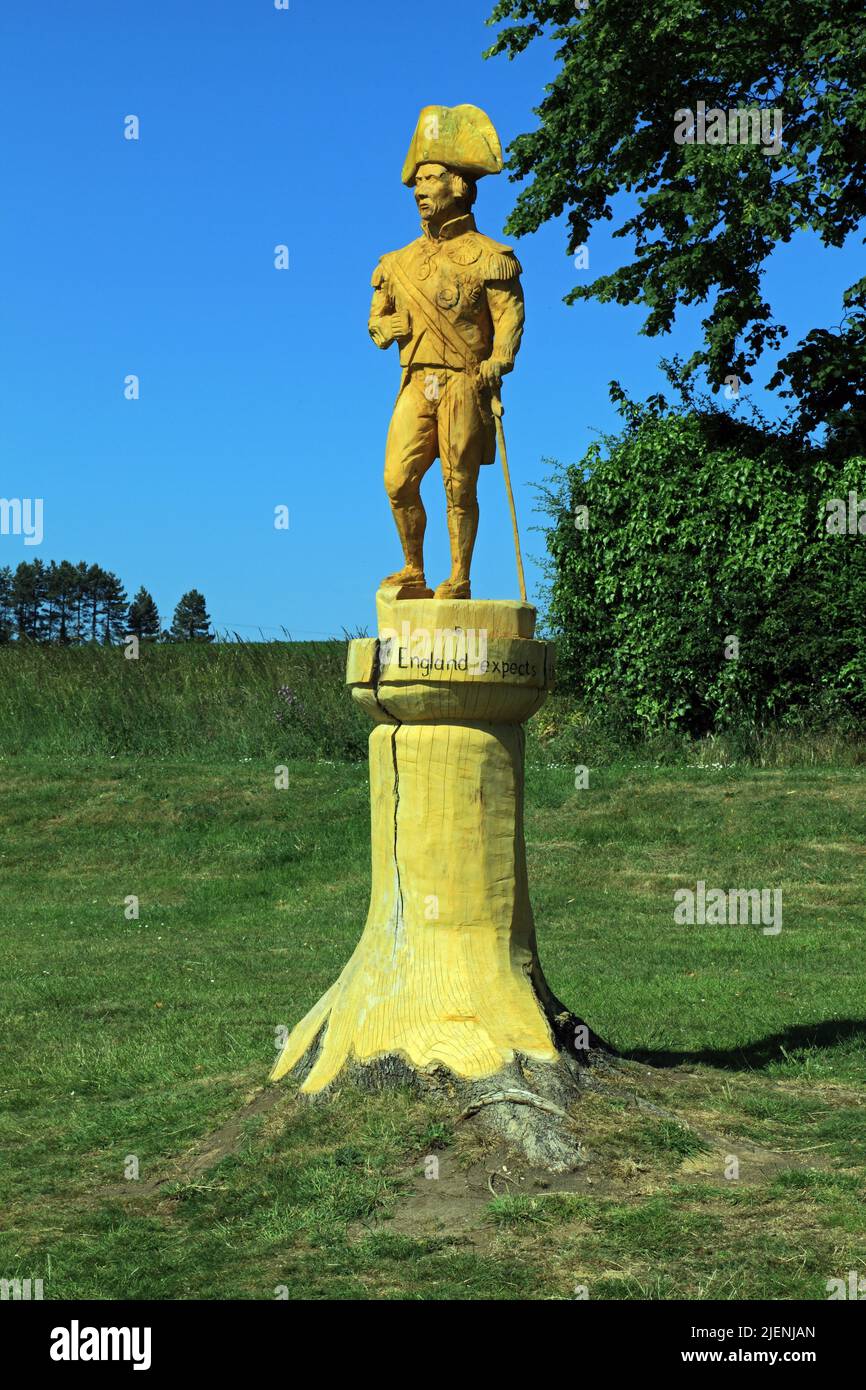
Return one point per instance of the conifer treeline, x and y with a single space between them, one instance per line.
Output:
67 603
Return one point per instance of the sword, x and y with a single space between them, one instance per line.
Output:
498 412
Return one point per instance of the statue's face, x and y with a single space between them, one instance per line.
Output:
434 192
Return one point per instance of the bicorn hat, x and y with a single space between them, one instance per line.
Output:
460 137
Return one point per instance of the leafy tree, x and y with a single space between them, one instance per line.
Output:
191 620
143 620
694 583
705 217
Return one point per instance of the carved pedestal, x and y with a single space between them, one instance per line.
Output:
445 979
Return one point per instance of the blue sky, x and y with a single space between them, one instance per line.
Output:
261 387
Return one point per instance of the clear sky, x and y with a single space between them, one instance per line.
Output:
261 387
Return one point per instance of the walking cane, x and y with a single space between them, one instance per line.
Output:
498 412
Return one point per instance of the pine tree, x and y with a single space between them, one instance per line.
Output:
61 588
52 597
79 622
114 605
142 620
28 595
6 609
68 586
94 584
191 620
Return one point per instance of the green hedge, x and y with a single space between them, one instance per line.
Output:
700 528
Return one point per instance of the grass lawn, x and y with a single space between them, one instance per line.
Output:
147 1041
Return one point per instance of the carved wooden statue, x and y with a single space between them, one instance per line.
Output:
444 988
453 304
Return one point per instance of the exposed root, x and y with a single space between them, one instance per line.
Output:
529 1104
512 1098
532 1107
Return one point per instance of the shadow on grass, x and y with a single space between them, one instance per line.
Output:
765 1051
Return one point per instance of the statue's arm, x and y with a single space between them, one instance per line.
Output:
384 324
505 298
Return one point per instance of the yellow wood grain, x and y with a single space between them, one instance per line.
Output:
441 974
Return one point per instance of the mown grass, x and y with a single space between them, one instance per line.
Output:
138 1037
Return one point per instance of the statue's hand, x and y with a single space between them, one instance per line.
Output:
400 325
490 373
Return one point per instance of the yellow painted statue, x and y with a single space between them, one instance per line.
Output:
444 990
453 303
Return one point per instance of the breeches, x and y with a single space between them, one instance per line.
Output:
438 414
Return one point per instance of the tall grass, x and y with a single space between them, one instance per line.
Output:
220 700
563 734
289 700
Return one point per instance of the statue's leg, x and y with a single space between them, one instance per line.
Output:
463 442
409 452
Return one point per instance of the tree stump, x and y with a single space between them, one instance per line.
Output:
445 988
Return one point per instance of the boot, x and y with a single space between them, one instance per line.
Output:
409 582
462 530
453 588
409 574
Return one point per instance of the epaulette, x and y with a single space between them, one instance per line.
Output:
502 265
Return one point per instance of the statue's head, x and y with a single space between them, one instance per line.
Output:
441 192
453 147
